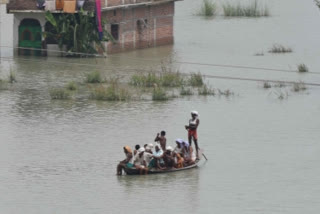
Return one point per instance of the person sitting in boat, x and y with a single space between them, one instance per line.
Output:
162 140
149 148
128 162
168 158
189 155
157 161
178 161
137 147
192 130
140 161
179 148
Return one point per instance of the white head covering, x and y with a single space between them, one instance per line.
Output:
170 148
195 112
141 150
150 146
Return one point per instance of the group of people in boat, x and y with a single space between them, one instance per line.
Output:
160 156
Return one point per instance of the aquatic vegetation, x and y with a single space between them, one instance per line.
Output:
299 86
72 86
186 91
317 3
266 85
12 77
251 10
94 77
276 48
302 68
59 94
110 93
208 8
226 93
152 79
159 94
259 53
196 80
206 90
279 84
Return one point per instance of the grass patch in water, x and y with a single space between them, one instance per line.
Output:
208 8
302 68
251 10
186 91
226 93
94 77
280 49
59 94
159 94
299 86
71 86
152 79
266 85
110 93
196 80
206 90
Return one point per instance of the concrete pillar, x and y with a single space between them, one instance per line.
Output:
6 32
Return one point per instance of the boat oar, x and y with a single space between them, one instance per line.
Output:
203 154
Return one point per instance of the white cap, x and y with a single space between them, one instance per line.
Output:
195 112
150 146
141 150
170 148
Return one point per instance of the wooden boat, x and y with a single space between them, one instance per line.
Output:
134 171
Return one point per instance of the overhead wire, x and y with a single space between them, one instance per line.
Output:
185 74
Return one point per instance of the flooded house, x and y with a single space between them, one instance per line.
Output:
134 24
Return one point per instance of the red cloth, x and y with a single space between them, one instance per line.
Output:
193 133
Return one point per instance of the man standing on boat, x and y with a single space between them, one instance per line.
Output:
192 130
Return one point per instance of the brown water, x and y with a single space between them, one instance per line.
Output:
60 156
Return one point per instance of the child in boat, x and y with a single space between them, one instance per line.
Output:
128 162
162 140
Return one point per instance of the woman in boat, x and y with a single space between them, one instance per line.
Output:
179 161
128 162
189 156
192 130
179 147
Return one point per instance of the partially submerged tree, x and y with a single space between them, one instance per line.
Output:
77 32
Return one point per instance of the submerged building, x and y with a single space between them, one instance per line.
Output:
134 24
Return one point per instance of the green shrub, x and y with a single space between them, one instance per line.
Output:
206 90
280 49
299 86
266 85
111 93
59 94
196 80
94 77
72 86
208 8
252 10
171 79
186 91
302 68
159 94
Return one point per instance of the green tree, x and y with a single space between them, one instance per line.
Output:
78 32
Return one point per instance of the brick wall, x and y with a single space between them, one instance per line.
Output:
141 27
31 5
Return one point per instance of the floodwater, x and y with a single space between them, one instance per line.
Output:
60 156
